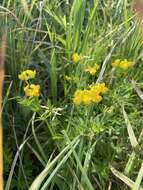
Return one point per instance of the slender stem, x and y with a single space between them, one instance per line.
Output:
2 59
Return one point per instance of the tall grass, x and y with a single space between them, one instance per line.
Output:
52 143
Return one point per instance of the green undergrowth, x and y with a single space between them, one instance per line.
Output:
49 142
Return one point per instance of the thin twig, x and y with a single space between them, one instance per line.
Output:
2 60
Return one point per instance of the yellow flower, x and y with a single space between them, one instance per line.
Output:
94 97
90 96
76 57
32 90
103 88
87 98
97 98
78 96
116 63
27 74
92 70
123 64
98 88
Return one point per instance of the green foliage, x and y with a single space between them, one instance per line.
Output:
31 104
50 143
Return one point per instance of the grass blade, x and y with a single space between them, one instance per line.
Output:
7 187
131 134
137 90
38 181
139 179
58 167
123 178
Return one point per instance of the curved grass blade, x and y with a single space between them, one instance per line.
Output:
44 187
8 184
39 179
123 178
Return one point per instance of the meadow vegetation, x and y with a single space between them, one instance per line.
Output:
72 106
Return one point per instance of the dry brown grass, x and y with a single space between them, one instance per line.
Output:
2 59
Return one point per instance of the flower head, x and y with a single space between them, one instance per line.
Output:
116 63
92 95
78 96
87 98
97 99
32 90
76 57
92 70
123 64
27 74
99 88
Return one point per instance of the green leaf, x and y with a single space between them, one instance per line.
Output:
31 103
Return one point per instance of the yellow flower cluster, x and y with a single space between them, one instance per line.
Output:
76 57
123 64
30 90
92 70
27 74
92 95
